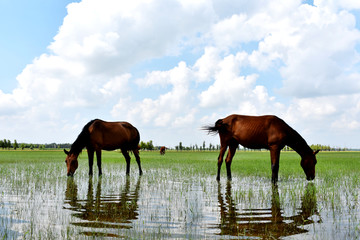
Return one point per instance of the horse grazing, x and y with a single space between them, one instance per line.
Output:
99 135
162 150
256 132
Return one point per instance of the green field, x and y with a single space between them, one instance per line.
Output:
178 197
247 163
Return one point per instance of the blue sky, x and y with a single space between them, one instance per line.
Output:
27 28
170 67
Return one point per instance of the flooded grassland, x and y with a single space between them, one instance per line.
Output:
178 197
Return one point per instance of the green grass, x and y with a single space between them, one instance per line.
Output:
249 163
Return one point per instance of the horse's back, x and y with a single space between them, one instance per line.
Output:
255 131
114 135
255 123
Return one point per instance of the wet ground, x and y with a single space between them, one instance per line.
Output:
174 205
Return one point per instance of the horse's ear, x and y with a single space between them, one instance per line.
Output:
66 152
316 152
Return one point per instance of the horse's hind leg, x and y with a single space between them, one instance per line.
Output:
98 158
127 159
229 157
220 160
275 157
137 156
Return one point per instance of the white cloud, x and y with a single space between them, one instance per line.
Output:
168 108
318 61
206 66
116 85
226 55
231 90
90 57
122 33
332 118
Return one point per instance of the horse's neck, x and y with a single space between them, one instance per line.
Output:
78 145
298 144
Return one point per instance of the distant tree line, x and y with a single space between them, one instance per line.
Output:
147 145
321 148
212 147
7 144
327 148
196 147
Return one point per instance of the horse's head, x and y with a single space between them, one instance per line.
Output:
71 162
308 164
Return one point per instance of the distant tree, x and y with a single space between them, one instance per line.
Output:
204 146
180 146
147 145
142 145
150 145
211 147
196 147
22 146
16 145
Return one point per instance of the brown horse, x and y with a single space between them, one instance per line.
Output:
99 135
162 150
256 132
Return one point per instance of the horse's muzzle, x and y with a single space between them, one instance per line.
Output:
310 178
69 174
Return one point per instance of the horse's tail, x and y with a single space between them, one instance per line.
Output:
219 127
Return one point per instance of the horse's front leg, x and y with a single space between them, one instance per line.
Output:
98 159
220 160
91 160
275 157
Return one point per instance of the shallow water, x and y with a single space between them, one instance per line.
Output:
174 205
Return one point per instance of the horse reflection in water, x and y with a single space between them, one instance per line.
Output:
111 211
265 223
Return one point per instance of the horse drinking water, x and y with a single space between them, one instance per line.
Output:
256 132
99 135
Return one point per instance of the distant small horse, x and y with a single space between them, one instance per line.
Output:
162 150
256 132
99 135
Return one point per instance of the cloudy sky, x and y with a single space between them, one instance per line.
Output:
172 66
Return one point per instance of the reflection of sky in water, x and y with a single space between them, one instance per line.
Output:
7 223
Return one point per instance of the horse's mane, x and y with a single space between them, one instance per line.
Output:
298 143
82 140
